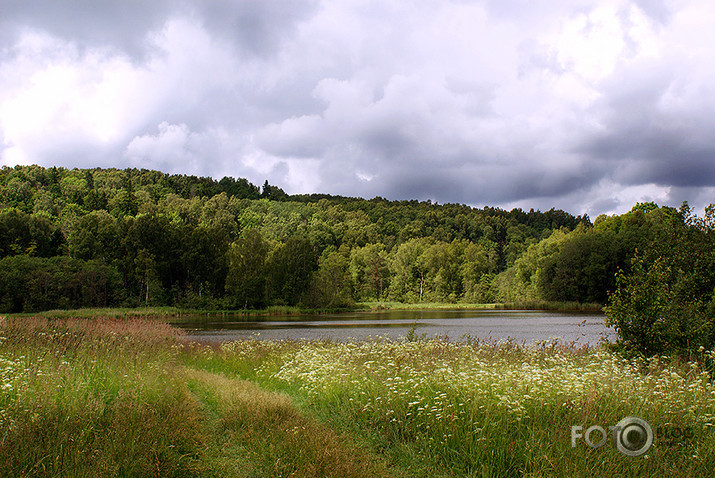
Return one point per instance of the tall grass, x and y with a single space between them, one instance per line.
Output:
110 397
267 429
95 397
130 397
463 409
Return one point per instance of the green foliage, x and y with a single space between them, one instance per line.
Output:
666 303
523 281
584 268
409 267
33 283
274 193
290 269
638 308
369 270
22 233
186 241
246 279
331 284
581 265
95 236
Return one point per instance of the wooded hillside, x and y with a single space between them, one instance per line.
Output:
109 237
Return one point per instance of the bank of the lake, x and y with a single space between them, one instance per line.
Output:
526 305
131 397
168 312
273 311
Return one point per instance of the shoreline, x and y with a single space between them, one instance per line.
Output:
283 311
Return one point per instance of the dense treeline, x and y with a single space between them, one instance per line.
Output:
173 239
105 237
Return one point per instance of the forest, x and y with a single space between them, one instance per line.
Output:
72 238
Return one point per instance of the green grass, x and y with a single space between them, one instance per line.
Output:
445 409
93 398
130 397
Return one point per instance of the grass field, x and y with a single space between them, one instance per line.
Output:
130 397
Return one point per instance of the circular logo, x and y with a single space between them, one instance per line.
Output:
634 436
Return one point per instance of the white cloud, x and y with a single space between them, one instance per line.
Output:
174 146
58 97
583 104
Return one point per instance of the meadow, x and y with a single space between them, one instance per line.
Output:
131 397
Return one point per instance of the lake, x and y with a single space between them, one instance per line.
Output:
528 326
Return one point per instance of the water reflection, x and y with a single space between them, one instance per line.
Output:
521 326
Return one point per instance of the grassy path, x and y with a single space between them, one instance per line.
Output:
261 433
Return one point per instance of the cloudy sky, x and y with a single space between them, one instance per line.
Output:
584 105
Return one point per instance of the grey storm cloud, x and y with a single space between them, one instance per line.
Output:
120 25
655 128
255 26
586 105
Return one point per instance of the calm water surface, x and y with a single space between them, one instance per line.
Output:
527 326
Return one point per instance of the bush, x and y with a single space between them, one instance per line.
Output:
666 304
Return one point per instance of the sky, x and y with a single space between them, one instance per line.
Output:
584 105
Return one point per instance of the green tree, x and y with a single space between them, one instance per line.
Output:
22 233
477 263
369 270
73 189
331 285
145 272
274 193
290 269
95 236
409 270
246 279
149 251
124 202
204 258
30 284
665 303
584 270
